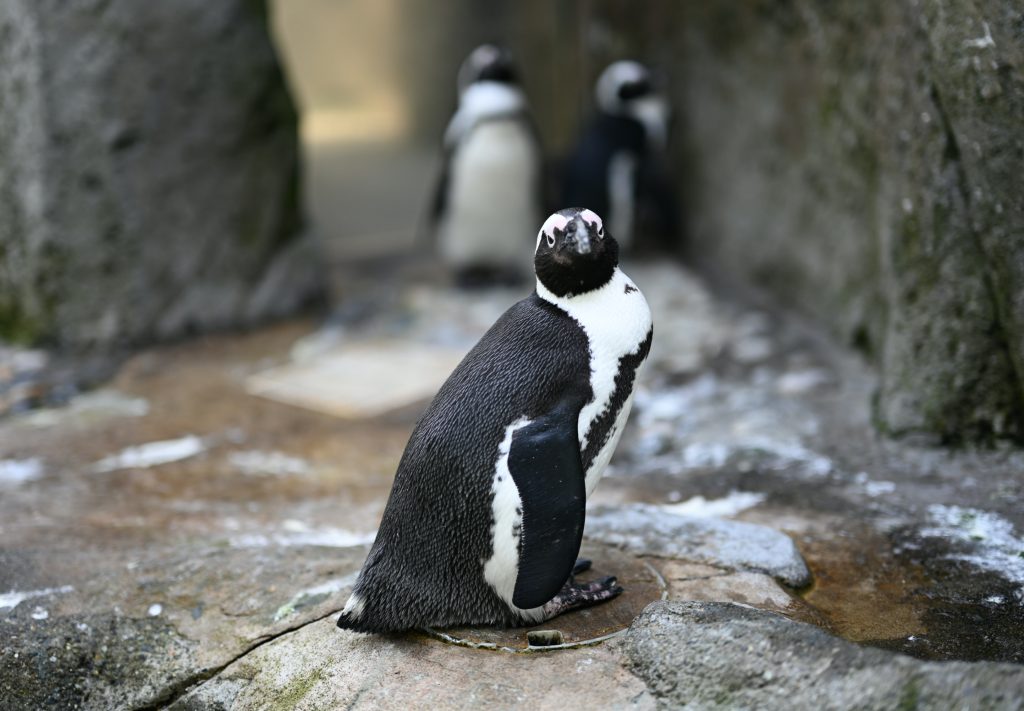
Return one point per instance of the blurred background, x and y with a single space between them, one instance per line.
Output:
222 309
376 86
856 163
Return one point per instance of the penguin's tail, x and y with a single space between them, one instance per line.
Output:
352 615
358 616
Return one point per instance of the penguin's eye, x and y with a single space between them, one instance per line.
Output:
600 231
551 240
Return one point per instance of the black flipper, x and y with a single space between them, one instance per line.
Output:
547 468
427 232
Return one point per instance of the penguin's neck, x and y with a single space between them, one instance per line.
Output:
487 98
482 100
614 287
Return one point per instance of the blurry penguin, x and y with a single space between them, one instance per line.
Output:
620 165
488 199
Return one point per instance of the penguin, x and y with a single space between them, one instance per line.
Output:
488 197
485 517
620 164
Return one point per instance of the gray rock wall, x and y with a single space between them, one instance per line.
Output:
149 182
863 161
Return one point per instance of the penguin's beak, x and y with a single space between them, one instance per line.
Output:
580 239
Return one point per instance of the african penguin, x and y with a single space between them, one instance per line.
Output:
485 517
620 164
488 196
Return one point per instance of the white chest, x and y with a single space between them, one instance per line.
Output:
492 196
616 320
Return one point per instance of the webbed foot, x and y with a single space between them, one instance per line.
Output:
575 596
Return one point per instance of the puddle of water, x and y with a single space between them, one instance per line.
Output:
861 589
913 596
969 612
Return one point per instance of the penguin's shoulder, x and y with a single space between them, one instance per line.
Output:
531 333
531 357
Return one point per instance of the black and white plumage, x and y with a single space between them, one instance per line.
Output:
620 164
488 198
486 513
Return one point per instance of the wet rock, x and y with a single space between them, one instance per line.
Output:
150 182
320 666
648 530
713 655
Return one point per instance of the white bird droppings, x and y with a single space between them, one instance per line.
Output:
13 598
990 538
730 505
16 471
152 454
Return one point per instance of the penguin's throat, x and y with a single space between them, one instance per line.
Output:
568 281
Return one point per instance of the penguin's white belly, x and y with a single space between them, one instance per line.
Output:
502 568
616 320
600 463
492 211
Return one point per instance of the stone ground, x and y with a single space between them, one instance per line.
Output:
185 535
174 540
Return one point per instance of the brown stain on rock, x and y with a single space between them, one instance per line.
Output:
861 588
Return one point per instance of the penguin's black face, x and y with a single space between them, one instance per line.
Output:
500 69
621 84
488 63
635 89
574 253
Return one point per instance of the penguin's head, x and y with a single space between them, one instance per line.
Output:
626 88
622 83
487 62
574 253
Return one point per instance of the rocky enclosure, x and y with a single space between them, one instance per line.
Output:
149 183
176 540
862 161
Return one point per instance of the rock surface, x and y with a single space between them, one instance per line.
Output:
858 159
149 182
175 539
322 667
713 655
734 545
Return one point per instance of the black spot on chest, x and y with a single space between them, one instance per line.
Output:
629 289
625 378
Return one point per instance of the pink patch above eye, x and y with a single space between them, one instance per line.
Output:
591 216
555 222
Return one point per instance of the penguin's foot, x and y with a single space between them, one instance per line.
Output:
582 566
575 597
